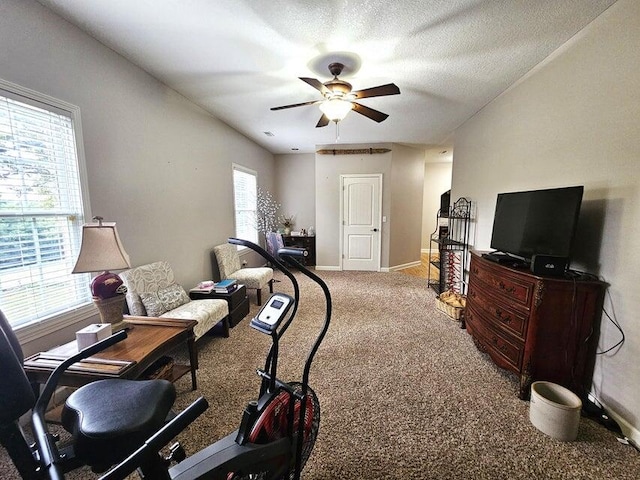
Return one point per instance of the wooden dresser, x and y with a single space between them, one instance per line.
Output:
541 328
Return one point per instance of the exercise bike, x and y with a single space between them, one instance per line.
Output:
275 438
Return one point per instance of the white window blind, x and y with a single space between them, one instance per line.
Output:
41 211
245 184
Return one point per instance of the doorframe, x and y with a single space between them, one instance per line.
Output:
379 176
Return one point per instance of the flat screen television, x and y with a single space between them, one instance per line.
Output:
445 203
536 222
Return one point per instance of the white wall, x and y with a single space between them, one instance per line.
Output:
437 180
405 221
574 120
295 188
157 165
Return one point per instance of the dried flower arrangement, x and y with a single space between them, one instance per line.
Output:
267 208
287 222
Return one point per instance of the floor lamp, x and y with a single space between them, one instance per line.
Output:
101 250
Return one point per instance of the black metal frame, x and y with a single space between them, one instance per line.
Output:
454 241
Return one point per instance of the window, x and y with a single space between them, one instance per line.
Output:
245 184
41 208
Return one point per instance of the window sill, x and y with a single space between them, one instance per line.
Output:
37 330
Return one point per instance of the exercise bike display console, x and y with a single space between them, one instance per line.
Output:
272 313
275 437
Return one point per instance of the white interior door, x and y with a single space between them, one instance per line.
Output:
361 207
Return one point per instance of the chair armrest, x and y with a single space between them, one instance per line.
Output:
164 321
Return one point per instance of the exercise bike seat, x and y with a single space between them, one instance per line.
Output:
110 419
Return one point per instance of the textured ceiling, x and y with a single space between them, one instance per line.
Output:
238 58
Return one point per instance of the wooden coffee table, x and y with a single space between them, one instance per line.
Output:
148 339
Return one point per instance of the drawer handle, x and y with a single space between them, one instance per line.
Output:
504 318
502 347
504 287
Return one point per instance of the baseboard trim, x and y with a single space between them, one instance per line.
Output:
405 265
629 430
382 269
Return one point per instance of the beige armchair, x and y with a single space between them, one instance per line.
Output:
152 291
228 263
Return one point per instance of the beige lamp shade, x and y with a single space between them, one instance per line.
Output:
101 249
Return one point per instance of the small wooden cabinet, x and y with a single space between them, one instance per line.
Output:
541 328
237 301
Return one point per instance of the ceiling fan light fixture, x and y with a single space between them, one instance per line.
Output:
336 109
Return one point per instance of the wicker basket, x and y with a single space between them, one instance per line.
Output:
452 304
160 369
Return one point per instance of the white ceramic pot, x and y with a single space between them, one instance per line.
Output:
555 410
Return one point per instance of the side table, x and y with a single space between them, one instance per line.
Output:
237 300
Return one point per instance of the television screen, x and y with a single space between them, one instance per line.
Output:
537 222
445 201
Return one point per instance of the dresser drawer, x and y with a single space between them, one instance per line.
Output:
509 285
495 311
505 351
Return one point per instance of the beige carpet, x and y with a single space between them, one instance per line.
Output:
404 394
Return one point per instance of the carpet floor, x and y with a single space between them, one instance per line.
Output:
404 393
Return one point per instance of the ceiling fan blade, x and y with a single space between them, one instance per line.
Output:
323 122
295 105
379 91
317 84
370 112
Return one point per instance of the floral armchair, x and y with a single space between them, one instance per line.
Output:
226 256
152 291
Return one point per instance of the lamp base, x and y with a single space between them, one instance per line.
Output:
111 309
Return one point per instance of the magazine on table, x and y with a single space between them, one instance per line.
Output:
206 286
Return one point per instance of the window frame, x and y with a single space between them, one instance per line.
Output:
50 324
241 168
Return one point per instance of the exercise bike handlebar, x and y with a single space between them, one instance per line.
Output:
327 318
293 252
291 255
44 441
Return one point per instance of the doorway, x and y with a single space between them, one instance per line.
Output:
361 204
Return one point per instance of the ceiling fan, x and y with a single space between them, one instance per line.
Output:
339 100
